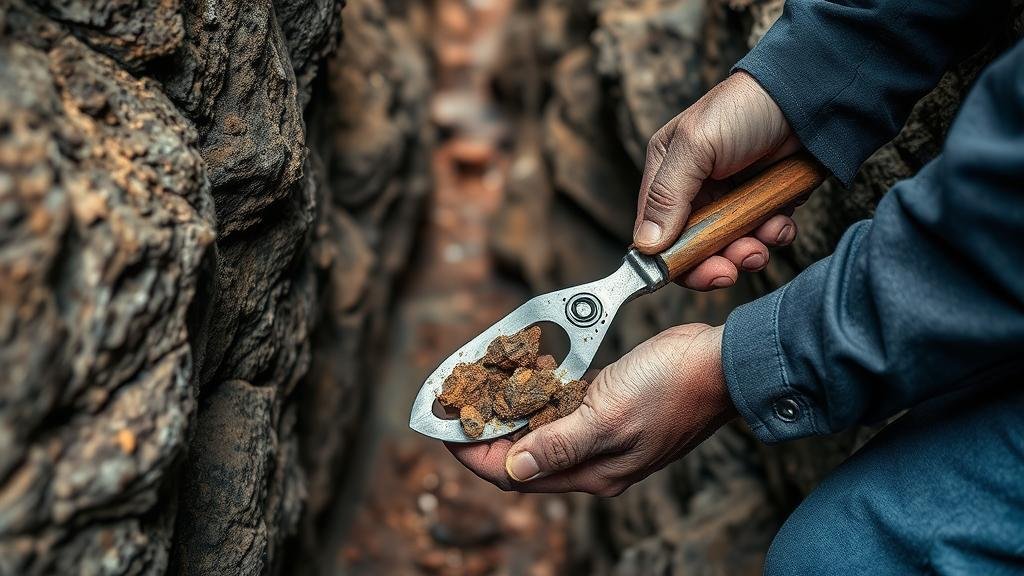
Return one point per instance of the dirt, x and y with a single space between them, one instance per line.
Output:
511 381
544 416
428 515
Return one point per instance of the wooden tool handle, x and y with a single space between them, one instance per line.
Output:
712 227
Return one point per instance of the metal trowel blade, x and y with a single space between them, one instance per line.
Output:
584 312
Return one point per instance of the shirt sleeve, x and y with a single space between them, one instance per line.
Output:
847 74
925 298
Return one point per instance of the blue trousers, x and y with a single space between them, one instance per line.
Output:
939 491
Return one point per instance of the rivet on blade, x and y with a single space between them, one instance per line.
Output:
583 309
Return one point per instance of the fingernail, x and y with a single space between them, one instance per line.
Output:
785 235
522 467
753 262
721 282
649 233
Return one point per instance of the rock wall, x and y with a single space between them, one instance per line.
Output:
591 81
197 244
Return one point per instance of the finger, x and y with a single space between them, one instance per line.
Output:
665 197
603 476
715 272
747 253
555 447
779 230
656 149
485 459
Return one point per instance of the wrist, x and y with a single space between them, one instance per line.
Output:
765 107
714 372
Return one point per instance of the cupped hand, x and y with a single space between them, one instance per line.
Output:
649 408
732 131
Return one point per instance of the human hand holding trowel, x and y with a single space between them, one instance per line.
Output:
629 422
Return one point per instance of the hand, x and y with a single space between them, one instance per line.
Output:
735 127
647 409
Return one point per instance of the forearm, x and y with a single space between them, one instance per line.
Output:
846 75
926 298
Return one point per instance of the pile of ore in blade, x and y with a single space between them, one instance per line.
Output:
511 381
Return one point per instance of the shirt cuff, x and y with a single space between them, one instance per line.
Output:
818 140
756 374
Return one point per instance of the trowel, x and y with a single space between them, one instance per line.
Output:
586 311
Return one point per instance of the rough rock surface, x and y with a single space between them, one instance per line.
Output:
610 82
188 297
373 196
515 351
467 385
107 216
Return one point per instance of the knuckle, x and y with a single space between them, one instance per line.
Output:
603 414
656 146
691 131
612 421
560 451
652 144
591 410
696 141
661 198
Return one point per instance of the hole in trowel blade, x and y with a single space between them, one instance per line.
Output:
442 412
553 340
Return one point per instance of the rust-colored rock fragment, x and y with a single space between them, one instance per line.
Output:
472 421
570 396
501 408
547 415
511 381
511 352
545 362
529 390
464 386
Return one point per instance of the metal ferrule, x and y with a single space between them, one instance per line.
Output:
649 269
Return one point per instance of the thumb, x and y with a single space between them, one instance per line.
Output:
669 187
553 447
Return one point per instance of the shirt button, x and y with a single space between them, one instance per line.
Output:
786 409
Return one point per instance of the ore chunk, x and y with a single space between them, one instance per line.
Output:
511 381
496 382
515 351
464 386
501 407
545 362
570 396
529 390
520 377
472 421
485 406
548 414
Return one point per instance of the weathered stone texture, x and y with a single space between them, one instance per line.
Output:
372 149
238 440
171 253
106 219
132 32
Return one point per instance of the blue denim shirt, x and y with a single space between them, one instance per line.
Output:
928 296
